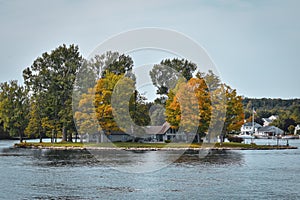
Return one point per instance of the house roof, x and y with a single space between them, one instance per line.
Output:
256 125
271 129
267 120
157 130
118 133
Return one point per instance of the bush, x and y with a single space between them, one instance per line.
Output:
167 141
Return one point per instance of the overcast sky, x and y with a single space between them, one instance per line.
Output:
255 44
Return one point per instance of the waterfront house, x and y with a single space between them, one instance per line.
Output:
269 120
247 128
151 134
163 133
115 136
270 131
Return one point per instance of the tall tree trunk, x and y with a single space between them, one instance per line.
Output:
55 136
41 137
21 138
52 136
76 135
70 139
64 132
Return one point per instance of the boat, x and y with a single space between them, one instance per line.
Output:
287 137
245 136
234 138
261 136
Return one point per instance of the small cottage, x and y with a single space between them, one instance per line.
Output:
163 133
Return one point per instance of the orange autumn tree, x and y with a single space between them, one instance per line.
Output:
218 106
112 105
173 112
85 116
103 92
94 108
193 99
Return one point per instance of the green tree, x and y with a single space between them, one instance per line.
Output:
234 111
13 108
157 115
166 74
95 68
50 79
34 127
121 65
138 109
284 121
212 81
291 129
295 113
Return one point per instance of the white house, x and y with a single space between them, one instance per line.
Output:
273 117
269 120
247 128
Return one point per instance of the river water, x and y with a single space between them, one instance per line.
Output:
48 174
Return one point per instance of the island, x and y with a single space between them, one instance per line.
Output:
133 146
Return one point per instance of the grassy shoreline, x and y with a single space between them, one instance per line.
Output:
150 146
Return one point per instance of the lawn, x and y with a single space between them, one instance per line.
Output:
129 145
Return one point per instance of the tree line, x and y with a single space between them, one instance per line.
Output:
287 110
61 86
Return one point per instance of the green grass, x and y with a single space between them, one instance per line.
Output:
108 144
129 145
155 145
47 144
235 145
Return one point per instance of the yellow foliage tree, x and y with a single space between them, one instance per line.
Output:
189 105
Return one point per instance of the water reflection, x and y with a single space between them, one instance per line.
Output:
57 158
215 157
133 162
126 161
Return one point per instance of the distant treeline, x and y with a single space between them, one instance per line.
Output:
287 110
270 104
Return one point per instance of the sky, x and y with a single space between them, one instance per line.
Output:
254 44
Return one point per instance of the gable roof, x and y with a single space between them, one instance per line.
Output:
271 129
157 130
256 125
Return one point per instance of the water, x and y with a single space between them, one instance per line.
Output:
45 174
